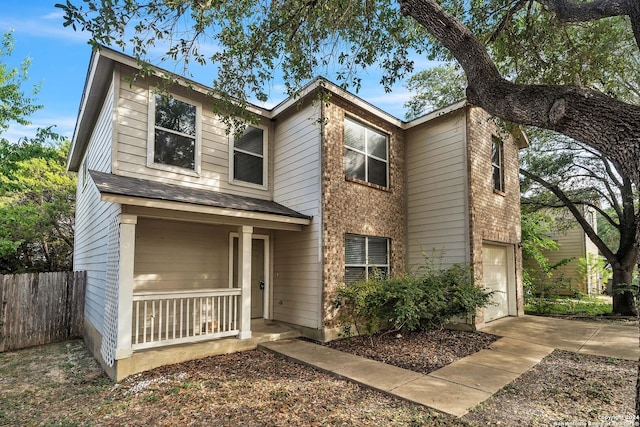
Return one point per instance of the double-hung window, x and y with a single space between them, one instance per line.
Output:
497 164
365 257
174 134
365 153
249 156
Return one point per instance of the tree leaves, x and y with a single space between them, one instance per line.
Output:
37 197
15 105
36 192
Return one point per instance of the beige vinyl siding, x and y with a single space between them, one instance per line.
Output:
131 158
572 244
175 255
437 218
297 272
93 216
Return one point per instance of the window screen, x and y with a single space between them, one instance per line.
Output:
248 156
365 256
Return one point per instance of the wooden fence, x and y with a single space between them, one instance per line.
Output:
40 308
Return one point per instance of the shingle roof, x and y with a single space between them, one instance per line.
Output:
136 187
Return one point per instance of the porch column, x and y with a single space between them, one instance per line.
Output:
125 288
244 279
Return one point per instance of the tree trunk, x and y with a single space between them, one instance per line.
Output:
638 376
638 318
606 124
623 301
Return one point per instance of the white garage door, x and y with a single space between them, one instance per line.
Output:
495 274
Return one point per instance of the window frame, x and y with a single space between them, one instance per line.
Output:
367 128
265 159
151 138
367 265
84 171
495 141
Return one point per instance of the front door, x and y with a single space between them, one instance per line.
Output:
257 279
259 274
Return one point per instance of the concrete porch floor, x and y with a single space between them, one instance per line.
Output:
262 331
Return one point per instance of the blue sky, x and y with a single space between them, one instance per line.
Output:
60 57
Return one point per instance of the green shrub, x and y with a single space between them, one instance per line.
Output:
428 298
360 305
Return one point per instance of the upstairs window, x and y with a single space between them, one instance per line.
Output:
175 134
249 156
365 153
497 164
365 257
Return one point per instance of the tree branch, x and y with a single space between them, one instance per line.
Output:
570 11
577 214
588 116
516 7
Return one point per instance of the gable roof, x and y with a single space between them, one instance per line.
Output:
100 72
137 188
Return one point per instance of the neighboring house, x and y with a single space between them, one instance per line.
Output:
580 273
188 233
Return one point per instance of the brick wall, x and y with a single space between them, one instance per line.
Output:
494 216
356 207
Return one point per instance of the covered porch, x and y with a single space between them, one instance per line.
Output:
189 268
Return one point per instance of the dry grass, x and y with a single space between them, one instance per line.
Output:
565 389
62 385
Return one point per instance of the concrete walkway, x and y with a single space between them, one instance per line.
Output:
596 338
458 387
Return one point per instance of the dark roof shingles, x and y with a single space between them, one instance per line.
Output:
137 187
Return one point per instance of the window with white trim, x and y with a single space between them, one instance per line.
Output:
365 257
365 153
249 159
174 137
84 171
497 164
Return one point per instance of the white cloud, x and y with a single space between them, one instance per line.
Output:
58 15
63 125
48 26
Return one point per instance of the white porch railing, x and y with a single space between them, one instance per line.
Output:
168 318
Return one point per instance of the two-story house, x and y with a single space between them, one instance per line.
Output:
189 233
580 274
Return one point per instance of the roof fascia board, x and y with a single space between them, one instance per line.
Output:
73 162
210 210
159 72
321 83
435 114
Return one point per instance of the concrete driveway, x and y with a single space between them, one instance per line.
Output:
596 338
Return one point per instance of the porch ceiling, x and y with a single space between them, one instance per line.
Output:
151 194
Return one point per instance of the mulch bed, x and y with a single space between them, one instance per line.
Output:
423 351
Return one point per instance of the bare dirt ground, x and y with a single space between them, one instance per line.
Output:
61 385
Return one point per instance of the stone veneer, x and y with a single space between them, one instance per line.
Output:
494 215
356 207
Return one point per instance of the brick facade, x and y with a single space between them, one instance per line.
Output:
356 207
494 215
